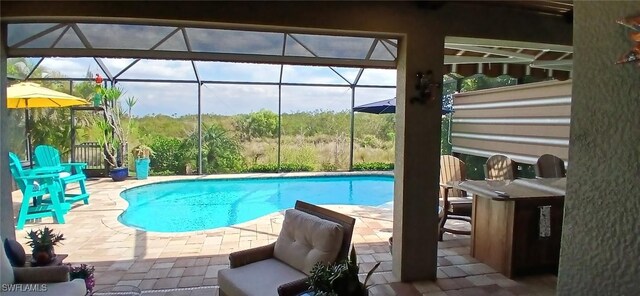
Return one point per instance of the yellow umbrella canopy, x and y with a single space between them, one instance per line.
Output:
33 95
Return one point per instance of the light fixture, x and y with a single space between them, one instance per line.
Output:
426 89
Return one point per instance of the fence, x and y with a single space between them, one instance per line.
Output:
92 154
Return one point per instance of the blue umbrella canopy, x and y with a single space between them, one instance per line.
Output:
380 107
385 107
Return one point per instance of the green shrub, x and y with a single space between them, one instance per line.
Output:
221 151
329 167
161 173
370 141
373 166
284 167
262 168
295 167
169 156
263 123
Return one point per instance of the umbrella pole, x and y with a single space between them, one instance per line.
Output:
27 127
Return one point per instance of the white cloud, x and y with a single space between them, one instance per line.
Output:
228 99
160 69
71 67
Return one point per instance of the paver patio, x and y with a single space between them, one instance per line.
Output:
188 263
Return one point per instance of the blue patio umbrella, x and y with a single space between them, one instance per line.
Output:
386 107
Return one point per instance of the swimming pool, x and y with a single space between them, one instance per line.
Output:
189 205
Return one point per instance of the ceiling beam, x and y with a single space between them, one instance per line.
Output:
506 44
492 51
552 63
200 56
449 59
563 65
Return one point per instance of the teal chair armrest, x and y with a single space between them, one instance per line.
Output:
38 177
44 170
74 167
76 164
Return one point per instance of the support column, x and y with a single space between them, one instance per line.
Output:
415 217
352 118
280 119
199 127
7 223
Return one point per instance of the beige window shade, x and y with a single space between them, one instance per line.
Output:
523 121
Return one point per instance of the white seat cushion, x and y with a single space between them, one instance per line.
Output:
64 174
306 239
257 279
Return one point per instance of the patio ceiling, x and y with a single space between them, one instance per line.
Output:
142 41
462 50
561 8
193 43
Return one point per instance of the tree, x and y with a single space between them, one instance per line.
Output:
263 123
48 126
113 136
221 153
169 155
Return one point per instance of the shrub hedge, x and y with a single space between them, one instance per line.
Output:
373 166
284 167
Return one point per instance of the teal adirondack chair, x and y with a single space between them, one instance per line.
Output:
47 156
35 183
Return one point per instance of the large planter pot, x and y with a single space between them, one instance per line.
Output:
142 168
119 174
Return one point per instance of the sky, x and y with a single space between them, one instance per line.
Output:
181 98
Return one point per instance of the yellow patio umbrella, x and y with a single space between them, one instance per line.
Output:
32 95
26 95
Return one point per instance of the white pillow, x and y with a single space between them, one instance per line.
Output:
306 239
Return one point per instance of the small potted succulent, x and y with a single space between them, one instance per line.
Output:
42 242
143 160
339 279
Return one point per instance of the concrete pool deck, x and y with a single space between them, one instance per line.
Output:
188 263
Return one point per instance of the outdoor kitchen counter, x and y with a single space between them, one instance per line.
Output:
517 224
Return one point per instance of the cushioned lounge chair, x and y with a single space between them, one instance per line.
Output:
47 156
309 234
56 279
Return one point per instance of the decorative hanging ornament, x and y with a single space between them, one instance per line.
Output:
97 100
634 54
631 22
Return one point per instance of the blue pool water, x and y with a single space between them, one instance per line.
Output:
190 205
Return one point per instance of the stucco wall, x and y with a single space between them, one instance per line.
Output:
601 233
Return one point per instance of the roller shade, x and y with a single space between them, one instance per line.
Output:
522 122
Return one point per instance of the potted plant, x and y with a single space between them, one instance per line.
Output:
114 137
42 242
84 272
339 279
143 160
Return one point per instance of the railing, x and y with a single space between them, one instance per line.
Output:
92 154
